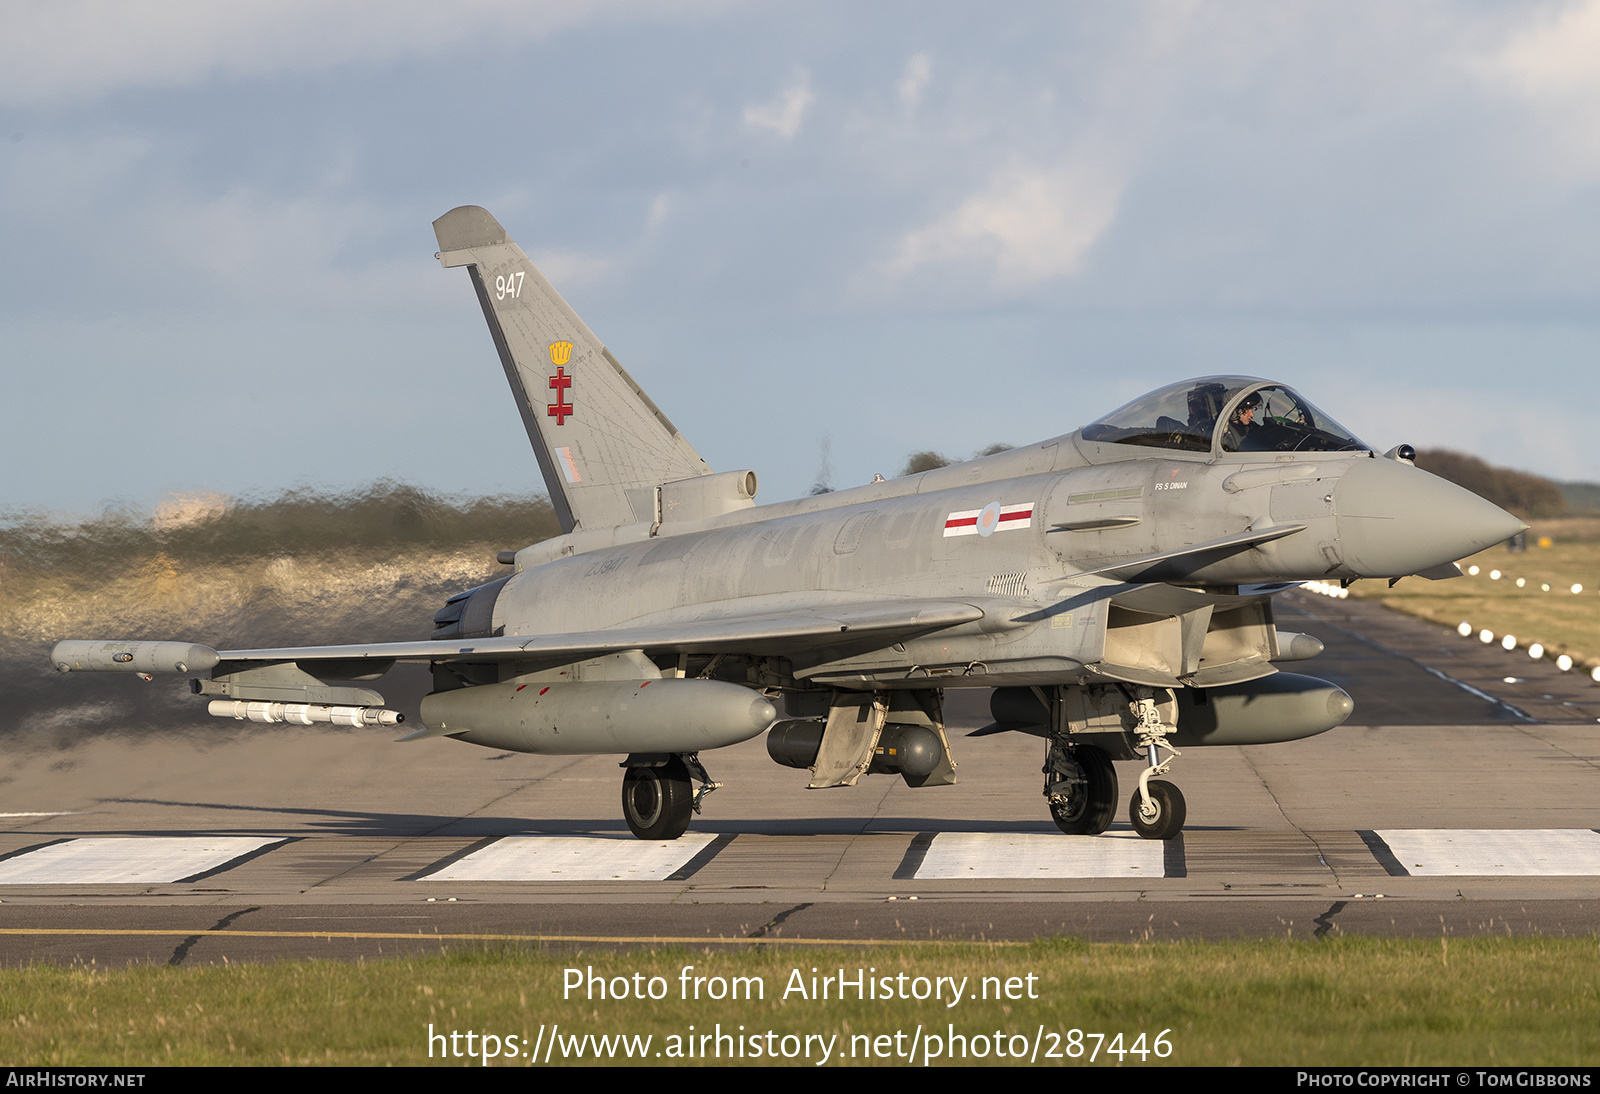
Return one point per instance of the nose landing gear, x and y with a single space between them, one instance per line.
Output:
1157 811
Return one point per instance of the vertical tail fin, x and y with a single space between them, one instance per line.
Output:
602 445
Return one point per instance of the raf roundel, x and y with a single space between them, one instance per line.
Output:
992 518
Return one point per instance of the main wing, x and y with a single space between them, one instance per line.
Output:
776 634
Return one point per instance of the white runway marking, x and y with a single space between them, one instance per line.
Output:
575 858
126 861
1022 855
1549 851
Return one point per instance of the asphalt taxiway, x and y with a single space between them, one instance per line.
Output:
1461 798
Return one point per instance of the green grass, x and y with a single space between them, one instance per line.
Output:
1343 1001
1559 620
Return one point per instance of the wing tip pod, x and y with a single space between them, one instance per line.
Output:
100 655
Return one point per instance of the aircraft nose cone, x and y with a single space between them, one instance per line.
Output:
1395 520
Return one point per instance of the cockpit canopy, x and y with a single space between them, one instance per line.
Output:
1224 414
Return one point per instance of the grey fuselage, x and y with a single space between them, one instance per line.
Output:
1093 505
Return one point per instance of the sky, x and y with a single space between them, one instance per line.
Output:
822 236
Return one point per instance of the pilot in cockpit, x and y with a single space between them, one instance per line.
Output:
1189 416
1241 423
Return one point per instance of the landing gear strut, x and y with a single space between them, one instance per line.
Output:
1081 787
1157 809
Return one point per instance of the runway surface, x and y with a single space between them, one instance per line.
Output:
1463 797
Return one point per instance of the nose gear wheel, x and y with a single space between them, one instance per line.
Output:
1163 816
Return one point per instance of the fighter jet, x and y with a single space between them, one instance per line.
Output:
1113 586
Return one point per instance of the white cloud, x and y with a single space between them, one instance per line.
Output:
661 207
783 115
55 51
61 177
565 269
914 81
1557 56
1551 67
237 234
305 251
1027 224
111 214
569 268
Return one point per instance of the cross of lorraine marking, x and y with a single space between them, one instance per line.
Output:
560 410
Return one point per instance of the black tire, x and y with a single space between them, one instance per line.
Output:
1091 814
1170 811
656 801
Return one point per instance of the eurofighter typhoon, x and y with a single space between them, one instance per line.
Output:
1113 586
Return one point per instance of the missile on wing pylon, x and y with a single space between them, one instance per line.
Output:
303 714
622 716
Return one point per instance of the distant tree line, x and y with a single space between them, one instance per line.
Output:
365 523
918 462
1583 498
1517 492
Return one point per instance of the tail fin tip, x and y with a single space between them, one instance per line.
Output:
466 227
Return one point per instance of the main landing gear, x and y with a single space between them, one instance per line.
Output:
1081 785
657 796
